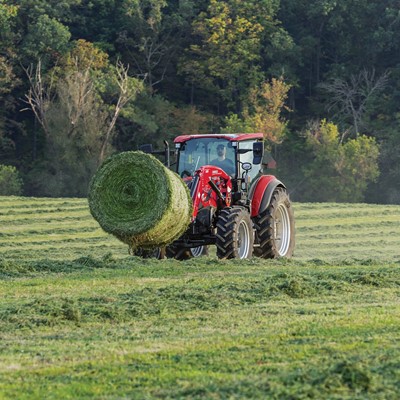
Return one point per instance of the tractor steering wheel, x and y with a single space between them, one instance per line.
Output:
185 173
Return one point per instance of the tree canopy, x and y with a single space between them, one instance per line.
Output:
82 79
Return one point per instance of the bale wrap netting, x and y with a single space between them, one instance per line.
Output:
138 200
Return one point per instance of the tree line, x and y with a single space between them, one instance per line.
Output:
81 79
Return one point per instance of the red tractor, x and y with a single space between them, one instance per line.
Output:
235 207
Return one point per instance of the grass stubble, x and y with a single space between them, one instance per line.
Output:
99 324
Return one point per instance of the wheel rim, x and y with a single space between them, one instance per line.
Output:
197 251
157 253
282 230
243 239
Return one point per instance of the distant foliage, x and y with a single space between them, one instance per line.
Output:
339 171
263 112
227 58
10 181
77 110
44 40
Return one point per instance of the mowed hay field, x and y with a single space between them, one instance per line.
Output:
80 318
63 229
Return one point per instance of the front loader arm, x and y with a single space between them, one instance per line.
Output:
211 187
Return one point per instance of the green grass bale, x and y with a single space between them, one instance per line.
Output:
138 200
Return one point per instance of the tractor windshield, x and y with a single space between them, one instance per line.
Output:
197 152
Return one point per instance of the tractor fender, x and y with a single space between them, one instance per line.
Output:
261 192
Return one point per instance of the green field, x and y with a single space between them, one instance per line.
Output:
79 318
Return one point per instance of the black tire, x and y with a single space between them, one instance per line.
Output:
275 231
235 236
185 253
158 253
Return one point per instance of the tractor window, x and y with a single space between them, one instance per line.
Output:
248 157
192 155
198 152
222 155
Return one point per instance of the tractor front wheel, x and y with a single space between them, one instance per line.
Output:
234 233
199 251
275 227
158 252
185 253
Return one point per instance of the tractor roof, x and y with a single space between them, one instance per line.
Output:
232 137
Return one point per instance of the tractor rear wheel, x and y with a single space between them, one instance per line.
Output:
234 233
275 227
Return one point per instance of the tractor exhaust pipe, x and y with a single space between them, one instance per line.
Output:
167 155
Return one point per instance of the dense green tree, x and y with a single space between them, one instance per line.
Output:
46 39
340 171
42 27
8 78
7 14
226 59
10 181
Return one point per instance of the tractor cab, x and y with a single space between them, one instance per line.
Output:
239 155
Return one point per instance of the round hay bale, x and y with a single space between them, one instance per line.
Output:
138 200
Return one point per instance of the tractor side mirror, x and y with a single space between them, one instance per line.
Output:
258 150
246 166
